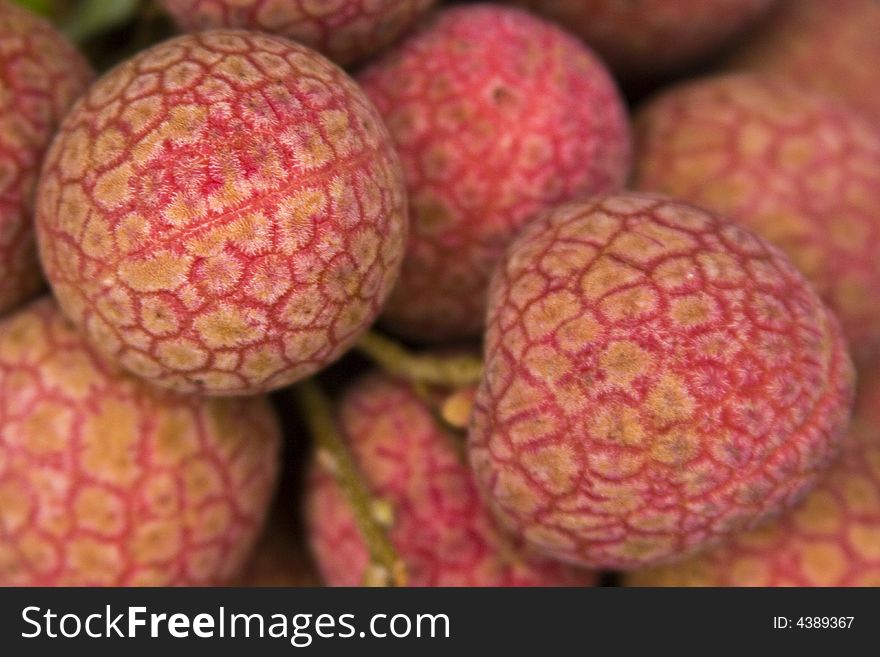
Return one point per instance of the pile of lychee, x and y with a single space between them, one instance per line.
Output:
453 315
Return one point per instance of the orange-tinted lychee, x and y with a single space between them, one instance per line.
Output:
831 539
650 37
798 168
41 74
496 115
224 213
437 522
830 45
106 480
656 379
344 30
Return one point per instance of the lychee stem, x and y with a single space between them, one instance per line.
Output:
449 371
386 567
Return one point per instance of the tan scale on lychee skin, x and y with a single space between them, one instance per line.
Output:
106 480
653 37
830 45
831 539
224 213
41 74
656 379
800 169
439 526
497 115
346 31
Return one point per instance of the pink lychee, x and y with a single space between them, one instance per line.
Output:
439 526
223 213
41 74
106 480
656 379
798 168
832 539
346 31
651 37
496 115
832 46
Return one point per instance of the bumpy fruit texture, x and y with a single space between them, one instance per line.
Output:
497 115
651 37
832 539
223 213
106 480
798 168
440 526
41 74
346 31
832 46
656 379
278 560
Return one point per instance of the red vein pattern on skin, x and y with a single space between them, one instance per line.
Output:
346 31
497 115
106 480
832 46
800 169
832 539
41 75
224 213
441 528
656 379
640 37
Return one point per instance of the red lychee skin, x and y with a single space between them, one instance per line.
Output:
41 74
106 480
224 213
346 31
441 529
656 379
652 37
832 539
800 169
497 115
832 46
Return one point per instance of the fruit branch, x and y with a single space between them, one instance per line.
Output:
386 567
450 371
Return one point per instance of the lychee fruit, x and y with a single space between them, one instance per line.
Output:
438 524
832 46
41 74
346 31
656 378
798 168
832 539
653 37
106 480
224 213
496 115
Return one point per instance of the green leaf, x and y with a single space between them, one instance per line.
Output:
92 17
43 7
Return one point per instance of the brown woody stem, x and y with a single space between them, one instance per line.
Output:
386 567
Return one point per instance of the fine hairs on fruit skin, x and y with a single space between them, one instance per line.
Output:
656 379
346 31
439 526
497 115
223 213
796 167
108 481
41 74
831 46
651 38
831 539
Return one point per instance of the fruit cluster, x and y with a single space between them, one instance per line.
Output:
638 348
